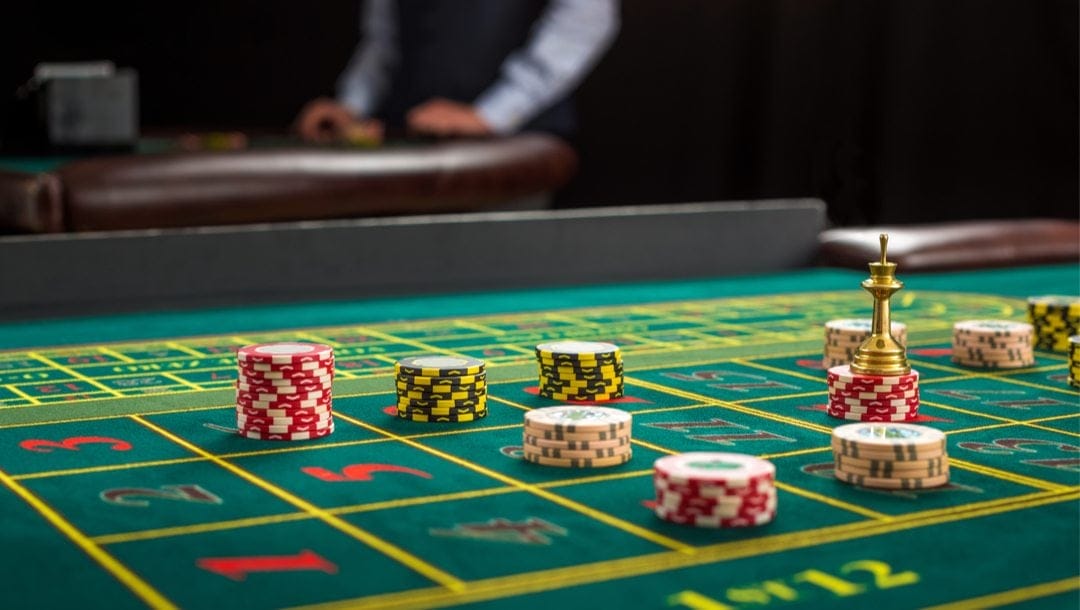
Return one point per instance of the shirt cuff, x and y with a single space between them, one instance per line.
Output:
504 109
358 100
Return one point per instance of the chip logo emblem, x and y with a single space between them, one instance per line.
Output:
441 361
530 531
714 465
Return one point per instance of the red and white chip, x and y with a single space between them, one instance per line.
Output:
285 353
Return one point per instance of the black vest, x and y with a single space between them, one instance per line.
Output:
454 48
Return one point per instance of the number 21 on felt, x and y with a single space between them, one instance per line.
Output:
764 592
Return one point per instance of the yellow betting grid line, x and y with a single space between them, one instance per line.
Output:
116 354
1021 423
712 361
968 375
386 548
243 454
821 394
707 338
810 495
775 369
183 382
164 390
1029 423
426 500
200 528
520 350
111 415
489 330
672 409
315 338
1004 475
653 446
726 404
15 390
965 465
214 526
713 323
998 374
180 347
417 344
813 301
425 435
790 488
833 502
1003 376
119 571
642 565
647 341
107 468
1013 596
661 309
794 453
998 418
389 360
1006 420
605 518
68 371
818 393
509 403
569 318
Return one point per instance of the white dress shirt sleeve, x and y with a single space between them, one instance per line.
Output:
366 78
567 41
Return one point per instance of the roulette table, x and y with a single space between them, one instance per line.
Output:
123 483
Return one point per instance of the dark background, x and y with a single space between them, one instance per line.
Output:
891 111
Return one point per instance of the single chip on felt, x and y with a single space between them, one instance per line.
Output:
439 366
714 468
576 420
285 353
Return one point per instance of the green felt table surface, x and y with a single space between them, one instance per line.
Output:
142 406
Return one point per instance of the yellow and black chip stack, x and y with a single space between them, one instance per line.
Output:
580 371
441 389
1055 318
1074 361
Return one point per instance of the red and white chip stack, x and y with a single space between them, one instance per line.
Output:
878 398
709 489
283 391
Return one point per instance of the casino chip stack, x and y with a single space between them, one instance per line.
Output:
283 391
441 389
992 344
1055 318
577 436
1074 361
872 397
580 371
715 489
843 338
890 456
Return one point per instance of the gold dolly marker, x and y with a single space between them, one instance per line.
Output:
880 354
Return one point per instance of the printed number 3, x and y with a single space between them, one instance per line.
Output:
72 444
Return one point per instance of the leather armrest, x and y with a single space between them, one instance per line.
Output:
956 245
30 203
275 185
